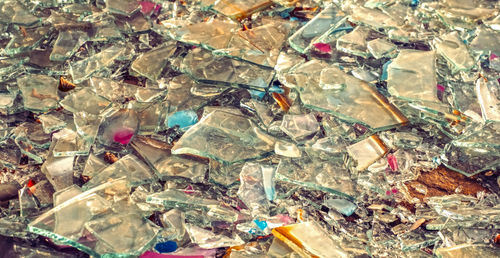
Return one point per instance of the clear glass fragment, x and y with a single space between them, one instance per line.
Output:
151 63
246 140
129 167
299 126
452 48
85 68
39 92
357 101
67 43
367 151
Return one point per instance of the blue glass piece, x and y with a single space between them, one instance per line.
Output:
166 247
384 70
183 119
262 224
343 206
277 89
414 3
257 94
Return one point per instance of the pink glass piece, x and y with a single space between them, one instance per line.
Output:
493 56
393 162
147 7
323 48
123 135
440 87
394 191
388 192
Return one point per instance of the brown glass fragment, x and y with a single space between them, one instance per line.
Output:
65 85
442 181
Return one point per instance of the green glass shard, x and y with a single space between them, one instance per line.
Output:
452 48
173 198
260 45
185 93
67 43
39 92
315 28
412 75
87 212
21 43
329 176
130 167
136 233
85 100
85 68
489 102
207 68
165 165
380 48
213 34
13 12
93 166
51 122
354 42
232 137
122 7
342 95
70 143
151 63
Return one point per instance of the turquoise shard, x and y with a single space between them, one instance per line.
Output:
184 119
345 207
225 137
39 92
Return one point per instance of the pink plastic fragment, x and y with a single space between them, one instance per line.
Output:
393 162
285 219
147 7
493 56
440 87
323 48
123 135
189 190
149 254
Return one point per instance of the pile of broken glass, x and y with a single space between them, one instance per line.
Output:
250 128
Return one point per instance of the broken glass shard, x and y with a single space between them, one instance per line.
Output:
129 167
208 240
354 42
13 12
67 43
357 101
325 20
21 43
380 48
237 9
367 151
251 190
488 100
329 176
85 100
122 7
412 75
165 165
118 127
151 63
207 68
39 92
453 49
84 69
51 122
299 127
225 137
